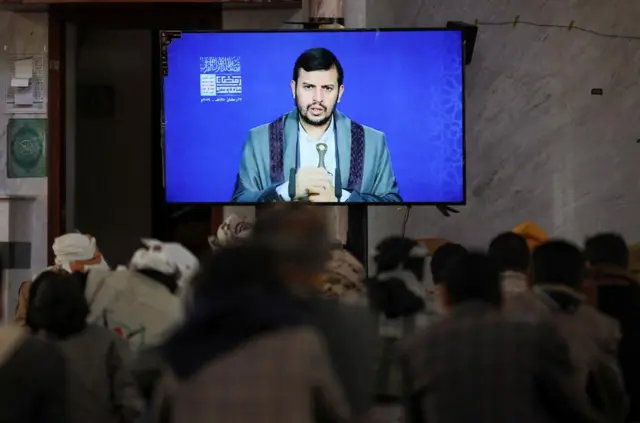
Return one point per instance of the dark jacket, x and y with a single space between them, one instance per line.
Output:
593 340
616 293
478 365
32 379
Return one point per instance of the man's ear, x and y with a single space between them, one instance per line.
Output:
340 92
293 88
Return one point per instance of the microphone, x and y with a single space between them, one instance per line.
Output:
321 148
292 183
338 183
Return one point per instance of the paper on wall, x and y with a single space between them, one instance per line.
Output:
23 68
19 82
24 96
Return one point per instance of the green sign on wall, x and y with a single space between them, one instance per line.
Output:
27 148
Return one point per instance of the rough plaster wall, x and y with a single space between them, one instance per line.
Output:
539 146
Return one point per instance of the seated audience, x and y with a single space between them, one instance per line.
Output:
442 261
478 365
616 292
558 270
74 252
511 254
246 354
99 386
299 239
344 274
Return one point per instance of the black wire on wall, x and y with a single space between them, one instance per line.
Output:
571 27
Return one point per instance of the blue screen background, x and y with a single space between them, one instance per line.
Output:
407 84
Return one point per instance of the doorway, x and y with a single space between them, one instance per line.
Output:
109 165
105 152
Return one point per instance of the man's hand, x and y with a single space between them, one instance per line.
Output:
311 180
323 194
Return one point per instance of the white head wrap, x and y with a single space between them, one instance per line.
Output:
75 247
232 230
167 258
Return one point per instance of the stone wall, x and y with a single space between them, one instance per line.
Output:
23 201
539 146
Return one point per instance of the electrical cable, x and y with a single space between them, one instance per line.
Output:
516 21
406 220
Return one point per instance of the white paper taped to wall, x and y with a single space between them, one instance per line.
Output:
23 68
20 82
25 96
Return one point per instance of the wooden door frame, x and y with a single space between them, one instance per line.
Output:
187 16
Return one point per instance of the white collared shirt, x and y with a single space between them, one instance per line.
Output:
309 157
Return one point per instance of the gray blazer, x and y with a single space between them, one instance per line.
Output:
101 388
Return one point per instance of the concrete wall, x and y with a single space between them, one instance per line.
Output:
23 201
539 146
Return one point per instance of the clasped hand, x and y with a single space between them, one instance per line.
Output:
316 184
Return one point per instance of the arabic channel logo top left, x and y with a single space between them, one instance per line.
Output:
221 77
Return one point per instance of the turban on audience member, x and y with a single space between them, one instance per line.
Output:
76 252
168 258
531 232
233 230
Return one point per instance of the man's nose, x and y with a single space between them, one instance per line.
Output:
318 95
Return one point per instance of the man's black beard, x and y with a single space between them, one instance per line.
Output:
306 120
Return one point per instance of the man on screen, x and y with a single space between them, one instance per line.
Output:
315 153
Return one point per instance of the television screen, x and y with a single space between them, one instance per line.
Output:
368 116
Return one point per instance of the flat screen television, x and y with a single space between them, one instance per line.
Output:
367 116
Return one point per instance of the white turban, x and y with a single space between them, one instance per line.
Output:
167 258
73 251
232 230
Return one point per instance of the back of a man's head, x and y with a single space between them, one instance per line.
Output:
297 235
558 263
58 305
398 252
510 252
443 259
473 278
236 268
607 249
